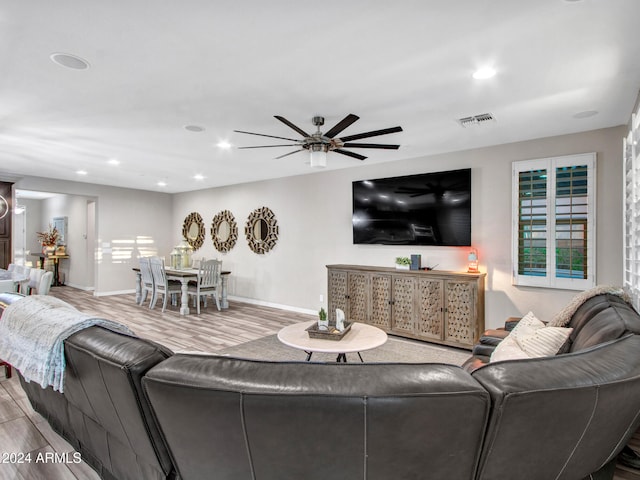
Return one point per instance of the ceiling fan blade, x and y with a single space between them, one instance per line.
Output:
270 136
371 145
269 146
349 154
374 133
290 153
341 125
291 125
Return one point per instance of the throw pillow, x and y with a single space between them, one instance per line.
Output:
531 338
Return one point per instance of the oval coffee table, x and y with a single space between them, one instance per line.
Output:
361 337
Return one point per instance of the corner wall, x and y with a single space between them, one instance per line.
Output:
314 218
128 223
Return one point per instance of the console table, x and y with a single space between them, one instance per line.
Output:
435 306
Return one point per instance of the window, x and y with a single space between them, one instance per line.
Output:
554 222
631 249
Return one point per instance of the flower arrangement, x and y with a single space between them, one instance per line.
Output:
48 238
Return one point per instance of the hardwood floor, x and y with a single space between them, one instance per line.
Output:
24 431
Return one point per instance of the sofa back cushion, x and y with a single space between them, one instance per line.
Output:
236 419
103 412
600 319
561 417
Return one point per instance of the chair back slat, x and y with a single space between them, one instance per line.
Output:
209 273
157 271
145 271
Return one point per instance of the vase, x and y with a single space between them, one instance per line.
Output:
49 250
323 324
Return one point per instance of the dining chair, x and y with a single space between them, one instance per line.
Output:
162 285
34 280
146 285
45 283
24 272
208 283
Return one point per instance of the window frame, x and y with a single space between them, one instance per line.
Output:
550 279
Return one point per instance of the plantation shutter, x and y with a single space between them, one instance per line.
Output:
631 250
554 222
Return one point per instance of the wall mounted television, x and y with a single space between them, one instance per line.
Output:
423 209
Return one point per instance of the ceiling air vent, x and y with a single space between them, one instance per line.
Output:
476 120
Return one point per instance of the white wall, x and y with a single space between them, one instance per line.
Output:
314 217
127 222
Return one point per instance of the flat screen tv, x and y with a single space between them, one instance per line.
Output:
423 209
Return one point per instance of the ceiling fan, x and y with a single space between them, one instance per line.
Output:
318 143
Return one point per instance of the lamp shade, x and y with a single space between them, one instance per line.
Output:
318 156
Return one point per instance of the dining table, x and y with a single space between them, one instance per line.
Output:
184 276
9 281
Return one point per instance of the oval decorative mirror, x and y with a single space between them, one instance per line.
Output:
193 230
261 230
224 231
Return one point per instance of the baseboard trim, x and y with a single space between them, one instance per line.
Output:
263 303
79 287
252 301
114 292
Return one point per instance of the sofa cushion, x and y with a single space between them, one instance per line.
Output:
103 412
600 319
530 338
236 419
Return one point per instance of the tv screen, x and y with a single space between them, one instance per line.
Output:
423 209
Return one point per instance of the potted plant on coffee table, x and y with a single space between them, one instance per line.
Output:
323 321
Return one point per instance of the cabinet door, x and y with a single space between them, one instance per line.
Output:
402 303
460 312
430 321
337 293
380 315
357 295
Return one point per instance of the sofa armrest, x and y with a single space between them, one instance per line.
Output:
511 322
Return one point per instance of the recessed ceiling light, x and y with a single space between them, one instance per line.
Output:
113 161
198 176
194 128
162 184
585 114
223 144
81 172
483 73
69 61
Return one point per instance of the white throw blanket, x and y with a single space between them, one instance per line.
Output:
32 334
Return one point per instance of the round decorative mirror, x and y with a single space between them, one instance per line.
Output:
224 231
193 230
261 230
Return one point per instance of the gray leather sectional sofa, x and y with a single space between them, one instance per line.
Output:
135 411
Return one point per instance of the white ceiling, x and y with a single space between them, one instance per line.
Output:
231 64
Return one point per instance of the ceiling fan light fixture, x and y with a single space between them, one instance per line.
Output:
318 155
